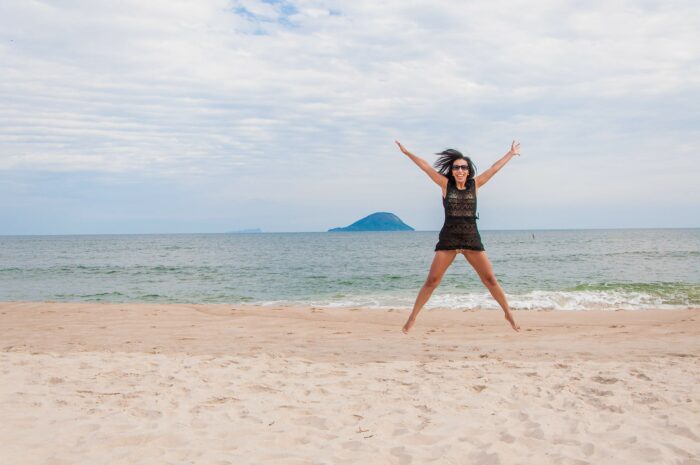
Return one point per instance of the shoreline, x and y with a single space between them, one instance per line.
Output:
219 384
430 306
313 331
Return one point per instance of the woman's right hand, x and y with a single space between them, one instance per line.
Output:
401 147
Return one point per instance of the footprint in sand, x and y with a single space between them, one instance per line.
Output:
645 398
353 445
221 400
146 413
402 455
535 432
262 388
595 402
507 438
684 431
588 449
424 408
600 393
641 376
603 380
484 458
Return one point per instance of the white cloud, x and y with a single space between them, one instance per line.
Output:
214 88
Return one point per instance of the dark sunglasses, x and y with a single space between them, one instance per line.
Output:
460 167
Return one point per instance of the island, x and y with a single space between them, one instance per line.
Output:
380 221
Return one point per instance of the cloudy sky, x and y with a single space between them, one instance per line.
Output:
218 115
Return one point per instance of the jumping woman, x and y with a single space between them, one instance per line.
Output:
459 234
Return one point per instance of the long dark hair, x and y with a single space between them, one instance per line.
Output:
444 164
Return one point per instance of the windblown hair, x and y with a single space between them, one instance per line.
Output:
444 164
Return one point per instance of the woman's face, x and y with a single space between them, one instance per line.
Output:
460 170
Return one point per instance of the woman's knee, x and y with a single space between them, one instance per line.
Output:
433 281
489 280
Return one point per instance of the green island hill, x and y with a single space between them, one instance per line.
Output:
380 221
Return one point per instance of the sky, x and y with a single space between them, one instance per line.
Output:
216 115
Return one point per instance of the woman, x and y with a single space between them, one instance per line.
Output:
459 234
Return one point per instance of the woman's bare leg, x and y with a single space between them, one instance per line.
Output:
442 260
481 264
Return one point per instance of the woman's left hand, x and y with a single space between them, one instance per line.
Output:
515 148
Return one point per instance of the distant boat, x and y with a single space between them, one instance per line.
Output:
380 221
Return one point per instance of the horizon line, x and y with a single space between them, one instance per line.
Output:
336 232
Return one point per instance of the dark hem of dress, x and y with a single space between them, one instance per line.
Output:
460 248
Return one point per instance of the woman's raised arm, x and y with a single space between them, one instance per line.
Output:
439 179
488 174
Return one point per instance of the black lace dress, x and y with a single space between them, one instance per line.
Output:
459 230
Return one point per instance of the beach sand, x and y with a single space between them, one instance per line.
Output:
94 383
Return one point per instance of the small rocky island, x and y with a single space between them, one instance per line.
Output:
380 221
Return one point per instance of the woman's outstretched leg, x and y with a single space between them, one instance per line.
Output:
442 260
481 264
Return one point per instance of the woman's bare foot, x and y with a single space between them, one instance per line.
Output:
407 327
511 320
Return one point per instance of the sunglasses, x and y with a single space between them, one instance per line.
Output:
460 167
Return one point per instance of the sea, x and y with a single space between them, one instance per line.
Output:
538 269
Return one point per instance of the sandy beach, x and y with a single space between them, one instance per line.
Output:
87 383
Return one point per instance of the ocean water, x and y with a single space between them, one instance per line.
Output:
563 269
